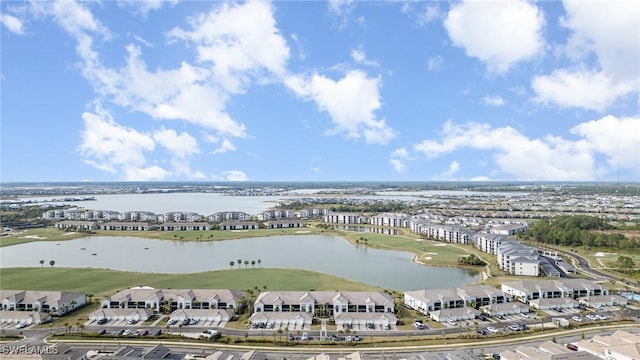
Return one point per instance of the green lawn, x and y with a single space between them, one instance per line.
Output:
52 234
105 282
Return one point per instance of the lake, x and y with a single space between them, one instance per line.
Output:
322 253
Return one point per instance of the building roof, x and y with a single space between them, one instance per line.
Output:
201 295
324 297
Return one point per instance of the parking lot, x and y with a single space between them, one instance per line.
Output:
11 326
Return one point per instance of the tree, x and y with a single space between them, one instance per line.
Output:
259 262
246 264
90 297
253 264
625 263
41 263
52 262
231 263
239 263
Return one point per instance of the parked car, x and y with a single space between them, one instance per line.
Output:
132 321
172 322
120 332
157 332
452 322
524 315
576 318
21 325
592 317
492 330
572 347
126 332
304 336
602 316
102 332
102 321
144 333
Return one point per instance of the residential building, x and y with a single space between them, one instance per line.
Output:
489 243
325 302
518 259
25 317
171 299
426 301
390 220
508 229
76 225
121 314
184 226
344 218
229 216
527 290
283 224
239 225
125 226
54 302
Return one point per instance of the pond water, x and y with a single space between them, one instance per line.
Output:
327 254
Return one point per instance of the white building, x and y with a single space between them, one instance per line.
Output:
518 259
172 299
426 301
527 290
344 218
328 302
489 243
55 302
390 220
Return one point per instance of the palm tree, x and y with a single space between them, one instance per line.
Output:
253 264
81 327
231 263
41 263
259 262
246 264
52 262
239 263
90 297
66 327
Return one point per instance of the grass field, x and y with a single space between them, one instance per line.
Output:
52 234
105 282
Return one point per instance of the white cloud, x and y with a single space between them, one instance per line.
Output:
340 6
225 146
359 57
499 33
434 63
480 178
350 102
234 175
76 18
453 168
398 158
588 90
180 145
597 29
422 13
111 147
239 42
146 6
12 24
617 138
493 100
548 158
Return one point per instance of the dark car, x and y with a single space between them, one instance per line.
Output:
144 333
572 347
120 332
102 332
157 332
102 321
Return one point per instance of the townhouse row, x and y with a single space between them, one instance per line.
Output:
176 226
344 307
176 217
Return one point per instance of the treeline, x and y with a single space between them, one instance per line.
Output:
579 230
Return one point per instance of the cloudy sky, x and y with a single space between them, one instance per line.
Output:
317 91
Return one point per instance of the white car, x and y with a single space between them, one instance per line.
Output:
21 325
576 318
127 332
524 315
592 317
492 330
602 317
452 322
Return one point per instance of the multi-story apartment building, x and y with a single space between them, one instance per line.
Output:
344 218
518 259
390 220
229 216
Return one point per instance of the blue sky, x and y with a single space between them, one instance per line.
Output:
320 91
